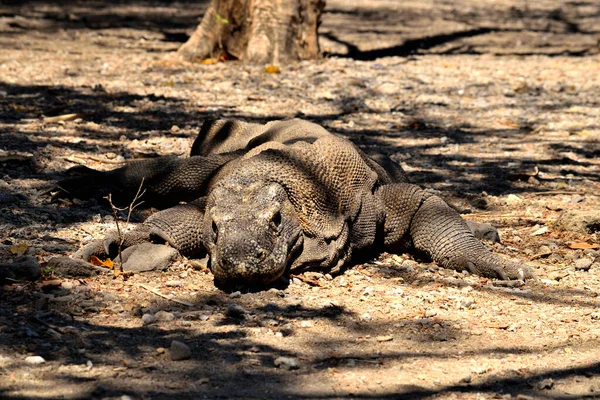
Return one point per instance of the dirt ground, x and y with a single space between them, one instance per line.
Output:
494 103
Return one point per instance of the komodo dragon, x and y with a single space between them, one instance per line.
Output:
262 199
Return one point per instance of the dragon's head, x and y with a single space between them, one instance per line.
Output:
251 232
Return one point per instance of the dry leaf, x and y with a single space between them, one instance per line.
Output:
99 263
272 69
508 123
583 245
208 61
18 249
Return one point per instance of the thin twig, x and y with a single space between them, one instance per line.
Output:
130 209
56 328
164 296
556 192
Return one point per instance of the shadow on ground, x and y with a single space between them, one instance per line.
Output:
246 368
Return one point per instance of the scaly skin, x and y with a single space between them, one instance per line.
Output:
288 194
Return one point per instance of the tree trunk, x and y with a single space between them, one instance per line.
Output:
257 31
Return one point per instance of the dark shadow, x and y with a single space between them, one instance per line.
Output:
407 48
245 366
565 31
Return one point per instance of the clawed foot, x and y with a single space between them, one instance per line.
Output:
497 268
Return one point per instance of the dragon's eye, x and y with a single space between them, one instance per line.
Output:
276 219
215 229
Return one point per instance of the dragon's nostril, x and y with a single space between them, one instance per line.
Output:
260 253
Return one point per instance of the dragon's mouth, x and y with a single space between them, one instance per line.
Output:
251 273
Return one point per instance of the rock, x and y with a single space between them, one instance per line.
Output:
67 285
164 316
513 199
545 384
235 311
432 312
24 268
148 257
540 231
384 338
199 264
173 283
180 351
483 231
34 360
235 295
583 264
388 88
466 379
464 302
148 319
287 363
579 221
73 268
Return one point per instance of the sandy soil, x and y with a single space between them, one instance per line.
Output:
495 104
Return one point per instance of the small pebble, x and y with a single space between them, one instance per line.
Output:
67 285
287 363
164 316
160 350
513 199
235 311
173 283
464 302
384 338
235 295
148 319
545 384
34 360
180 351
432 312
583 264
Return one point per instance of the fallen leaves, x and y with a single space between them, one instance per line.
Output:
99 263
272 69
208 61
583 246
18 249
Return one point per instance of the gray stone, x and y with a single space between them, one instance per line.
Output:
235 311
579 221
148 319
67 285
148 257
484 231
21 269
545 384
164 316
34 360
464 302
73 268
583 264
180 351
432 312
288 363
